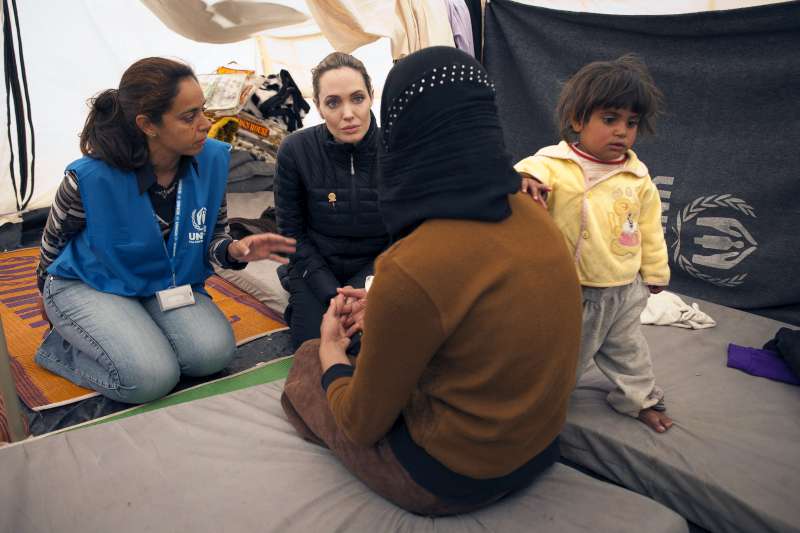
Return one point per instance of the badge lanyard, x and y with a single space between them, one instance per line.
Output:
175 232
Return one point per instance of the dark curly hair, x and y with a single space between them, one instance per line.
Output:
623 83
148 87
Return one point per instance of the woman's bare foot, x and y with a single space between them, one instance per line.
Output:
657 421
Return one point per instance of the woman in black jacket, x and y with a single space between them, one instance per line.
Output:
326 194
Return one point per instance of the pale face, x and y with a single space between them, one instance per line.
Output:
608 133
184 127
344 104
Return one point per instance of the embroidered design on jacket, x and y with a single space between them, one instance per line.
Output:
626 238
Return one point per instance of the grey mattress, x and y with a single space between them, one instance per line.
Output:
731 462
233 463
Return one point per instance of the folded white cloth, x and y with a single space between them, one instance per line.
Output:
667 309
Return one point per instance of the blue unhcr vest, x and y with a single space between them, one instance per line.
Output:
121 250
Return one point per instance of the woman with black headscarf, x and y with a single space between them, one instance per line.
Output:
472 328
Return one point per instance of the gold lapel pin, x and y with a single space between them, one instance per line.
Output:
331 197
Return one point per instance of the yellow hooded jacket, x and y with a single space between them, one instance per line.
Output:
613 226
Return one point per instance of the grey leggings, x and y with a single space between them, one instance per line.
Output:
612 336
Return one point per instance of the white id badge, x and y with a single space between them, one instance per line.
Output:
175 297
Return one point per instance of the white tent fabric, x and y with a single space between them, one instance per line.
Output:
299 48
76 48
349 24
411 24
228 21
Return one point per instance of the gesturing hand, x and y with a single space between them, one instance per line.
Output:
262 246
536 189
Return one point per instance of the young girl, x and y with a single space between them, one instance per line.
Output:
607 207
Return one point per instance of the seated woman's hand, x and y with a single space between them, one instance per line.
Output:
262 246
354 309
332 331
333 337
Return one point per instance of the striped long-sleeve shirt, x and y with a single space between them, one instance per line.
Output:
67 218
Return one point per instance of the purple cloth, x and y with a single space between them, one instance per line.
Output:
763 363
461 24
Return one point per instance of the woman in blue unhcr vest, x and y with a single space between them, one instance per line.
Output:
131 237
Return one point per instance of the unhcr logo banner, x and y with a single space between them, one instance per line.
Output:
725 157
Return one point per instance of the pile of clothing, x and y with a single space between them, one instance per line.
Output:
254 114
277 97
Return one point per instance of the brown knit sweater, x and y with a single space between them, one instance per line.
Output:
471 332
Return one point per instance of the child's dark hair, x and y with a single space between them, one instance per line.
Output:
623 83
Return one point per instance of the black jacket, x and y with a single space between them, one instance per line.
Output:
326 197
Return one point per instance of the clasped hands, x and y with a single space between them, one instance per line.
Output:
343 319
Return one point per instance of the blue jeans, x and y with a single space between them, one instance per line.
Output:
127 348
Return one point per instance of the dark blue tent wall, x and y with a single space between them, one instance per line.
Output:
725 157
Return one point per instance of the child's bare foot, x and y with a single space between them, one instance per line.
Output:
656 420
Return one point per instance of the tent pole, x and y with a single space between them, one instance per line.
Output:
16 425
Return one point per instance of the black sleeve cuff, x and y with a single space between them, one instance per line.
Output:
225 260
339 370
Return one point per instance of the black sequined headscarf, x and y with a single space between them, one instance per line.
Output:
443 154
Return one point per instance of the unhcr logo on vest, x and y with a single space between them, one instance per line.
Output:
199 224
712 240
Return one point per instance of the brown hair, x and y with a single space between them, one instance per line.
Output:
623 83
334 61
148 87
